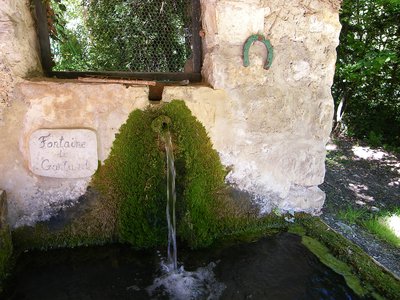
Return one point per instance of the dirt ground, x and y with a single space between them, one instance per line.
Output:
359 176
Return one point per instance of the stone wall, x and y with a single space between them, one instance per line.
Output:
59 105
277 121
269 126
18 48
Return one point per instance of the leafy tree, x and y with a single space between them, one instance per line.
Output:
68 35
366 87
121 35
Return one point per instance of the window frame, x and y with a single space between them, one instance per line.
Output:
48 63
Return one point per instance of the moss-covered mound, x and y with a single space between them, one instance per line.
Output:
200 175
134 176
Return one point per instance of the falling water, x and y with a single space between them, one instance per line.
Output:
176 282
171 199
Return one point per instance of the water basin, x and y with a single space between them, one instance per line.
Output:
274 267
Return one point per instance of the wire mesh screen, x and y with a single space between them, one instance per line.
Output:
120 35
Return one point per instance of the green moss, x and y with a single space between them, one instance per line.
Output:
134 177
336 265
81 232
200 175
95 225
360 263
6 250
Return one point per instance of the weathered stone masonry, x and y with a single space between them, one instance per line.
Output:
270 126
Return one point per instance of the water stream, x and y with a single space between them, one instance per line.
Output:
175 282
172 259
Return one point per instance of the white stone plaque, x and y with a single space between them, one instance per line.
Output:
63 153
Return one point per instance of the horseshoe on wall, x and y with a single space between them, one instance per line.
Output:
250 41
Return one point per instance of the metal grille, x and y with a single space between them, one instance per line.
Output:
121 35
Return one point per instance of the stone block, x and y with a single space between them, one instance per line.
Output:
235 32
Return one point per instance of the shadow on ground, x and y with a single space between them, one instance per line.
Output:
359 177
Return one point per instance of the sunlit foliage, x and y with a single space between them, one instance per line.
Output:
367 86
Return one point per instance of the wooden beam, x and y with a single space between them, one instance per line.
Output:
159 77
121 81
43 35
196 38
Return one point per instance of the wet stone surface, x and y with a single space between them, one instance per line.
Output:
386 255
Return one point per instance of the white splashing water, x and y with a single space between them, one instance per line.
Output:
184 285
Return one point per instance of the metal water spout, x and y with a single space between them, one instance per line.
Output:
161 124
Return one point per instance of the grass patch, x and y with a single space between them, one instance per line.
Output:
374 222
352 215
379 226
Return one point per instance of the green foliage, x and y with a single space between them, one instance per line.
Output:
6 250
366 79
121 35
374 139
69 43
